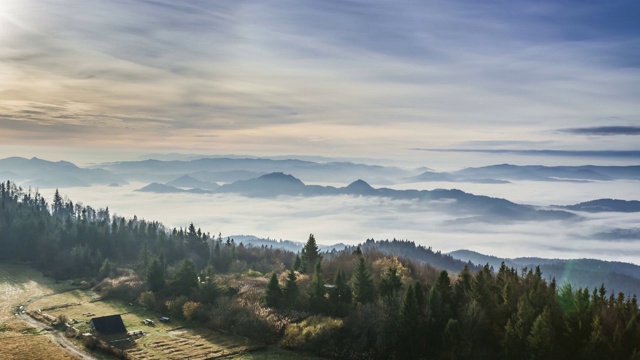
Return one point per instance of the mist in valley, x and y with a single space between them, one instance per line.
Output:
353 219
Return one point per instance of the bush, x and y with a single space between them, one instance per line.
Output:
126 288
147 299
189 309
317 334
241 320
175 307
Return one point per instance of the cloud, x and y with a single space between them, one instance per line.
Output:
603 130
351 220
628 154
263 75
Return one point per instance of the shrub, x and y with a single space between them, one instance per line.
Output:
317 334
147 299
175 307
189 309
124 287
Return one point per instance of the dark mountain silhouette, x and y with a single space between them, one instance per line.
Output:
605 205
48 174
187 181
476 207
360 187
590 273
267 185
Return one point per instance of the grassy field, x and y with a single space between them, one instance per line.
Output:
18 340
163 341
21 285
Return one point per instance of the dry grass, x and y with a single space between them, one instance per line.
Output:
18 284
159 342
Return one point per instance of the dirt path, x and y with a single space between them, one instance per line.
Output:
20 285
56 337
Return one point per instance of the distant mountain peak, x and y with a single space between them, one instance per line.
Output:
360 185
280 176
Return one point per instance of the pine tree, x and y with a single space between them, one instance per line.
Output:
297 263
310 254
363 287
340 296
273 294
408 325
390 283
540 342
105 270
155 276
57 205
291 289
317 291
186 278
143 259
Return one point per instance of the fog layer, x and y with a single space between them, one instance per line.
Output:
351 220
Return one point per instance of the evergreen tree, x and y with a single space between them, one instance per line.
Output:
186 278
143 259
106 269
340 296
451 340
408 325
317 291
209 290
155 276
273 294
363 287
540 342
310 254
390 283
291 289
57 206
297 263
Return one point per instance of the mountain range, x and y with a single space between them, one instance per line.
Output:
477 207
43 173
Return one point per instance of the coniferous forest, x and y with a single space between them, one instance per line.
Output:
358 303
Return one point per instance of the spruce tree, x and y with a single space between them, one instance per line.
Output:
317 301
310 254
186 278
390 283
408 325
297 263
291 289
363 287
273 294
540 342
155 276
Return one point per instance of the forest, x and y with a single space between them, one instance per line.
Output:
362 302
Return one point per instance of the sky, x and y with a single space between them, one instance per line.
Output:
555 81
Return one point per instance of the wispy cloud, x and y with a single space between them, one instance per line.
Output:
604 130
631 154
